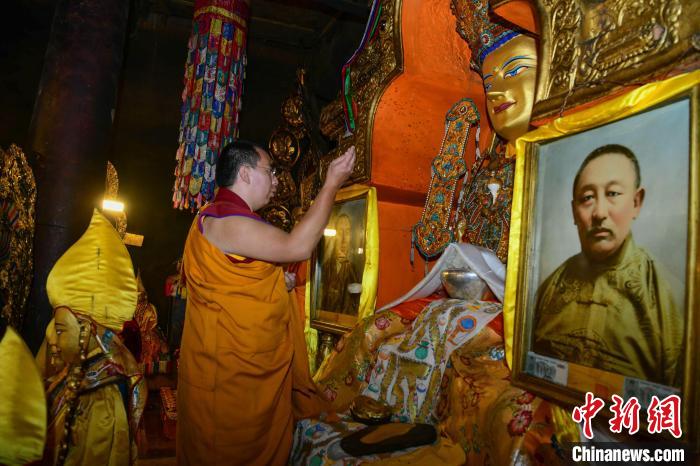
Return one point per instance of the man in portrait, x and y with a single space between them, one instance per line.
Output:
338 272
609 307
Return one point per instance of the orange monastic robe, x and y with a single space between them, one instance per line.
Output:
244 376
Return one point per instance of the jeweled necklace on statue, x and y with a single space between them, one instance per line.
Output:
484 219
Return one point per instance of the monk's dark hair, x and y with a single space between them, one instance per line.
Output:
232 157
610 149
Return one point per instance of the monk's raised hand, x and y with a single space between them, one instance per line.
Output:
340 169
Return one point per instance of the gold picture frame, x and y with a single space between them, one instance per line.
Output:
343 289
547 159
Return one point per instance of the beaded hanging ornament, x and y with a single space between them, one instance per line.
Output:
211 98
435 231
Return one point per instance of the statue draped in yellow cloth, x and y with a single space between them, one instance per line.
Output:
23 406
95 391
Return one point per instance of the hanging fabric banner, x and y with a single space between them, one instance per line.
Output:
211 99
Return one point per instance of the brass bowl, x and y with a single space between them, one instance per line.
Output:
462 284
370 411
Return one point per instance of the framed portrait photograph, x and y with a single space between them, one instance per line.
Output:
602 264
343 268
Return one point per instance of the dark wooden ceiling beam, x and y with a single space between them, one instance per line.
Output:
356 8
185 8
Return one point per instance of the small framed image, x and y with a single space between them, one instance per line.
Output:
602 264
343 268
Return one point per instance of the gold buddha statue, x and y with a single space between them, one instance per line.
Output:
95 391
506 58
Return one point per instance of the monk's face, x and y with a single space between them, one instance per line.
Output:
264 180
606 202
509 74
343 236
62 338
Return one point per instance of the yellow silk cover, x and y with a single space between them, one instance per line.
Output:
620 107
95 276
100 435
244 375
23 405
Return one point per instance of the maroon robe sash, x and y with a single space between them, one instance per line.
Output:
226 203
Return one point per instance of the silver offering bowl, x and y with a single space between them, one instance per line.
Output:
462 284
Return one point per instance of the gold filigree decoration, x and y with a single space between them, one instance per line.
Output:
17 226
278 215
296 158
111 182
292 111
286 188
309 188
591 46
375 68
284 146
331 122
118 219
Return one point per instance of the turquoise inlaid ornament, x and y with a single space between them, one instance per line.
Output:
433 232
422 350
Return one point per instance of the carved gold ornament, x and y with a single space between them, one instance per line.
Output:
295 157
112 193
17 225
292 110
375 66
278 215
589 47
284 147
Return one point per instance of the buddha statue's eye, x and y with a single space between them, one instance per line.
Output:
515 71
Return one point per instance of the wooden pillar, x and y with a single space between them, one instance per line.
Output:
69 134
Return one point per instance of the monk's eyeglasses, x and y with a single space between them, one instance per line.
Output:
271 170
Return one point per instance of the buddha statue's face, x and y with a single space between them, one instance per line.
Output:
62 338
509 74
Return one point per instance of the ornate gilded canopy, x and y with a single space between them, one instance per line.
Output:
589 47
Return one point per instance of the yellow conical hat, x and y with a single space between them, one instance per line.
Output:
23 406
95 276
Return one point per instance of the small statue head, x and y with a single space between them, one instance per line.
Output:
91 286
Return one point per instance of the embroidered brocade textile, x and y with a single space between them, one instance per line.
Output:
465 385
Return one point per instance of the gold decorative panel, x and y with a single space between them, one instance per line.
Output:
374 68
296 160
589 47
118 219
17 225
